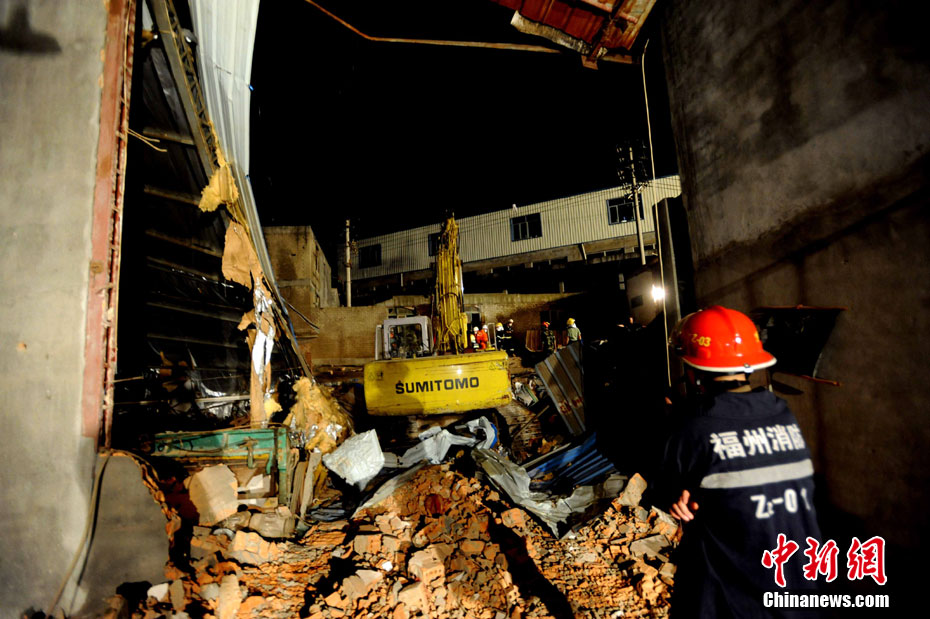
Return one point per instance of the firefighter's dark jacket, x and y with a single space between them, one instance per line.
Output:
744 461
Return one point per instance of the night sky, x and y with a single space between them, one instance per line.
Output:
393 136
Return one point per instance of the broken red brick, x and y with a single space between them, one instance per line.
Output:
471 546
425 566
514 518
436 505
334 600
331 538
367 543
413 596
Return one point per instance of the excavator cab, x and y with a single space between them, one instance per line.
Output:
404 338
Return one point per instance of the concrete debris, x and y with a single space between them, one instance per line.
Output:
230 598
213 492
633 492
177 594
652 545
251 549
440 544
210 591
471 562
158 592
239 520
275 525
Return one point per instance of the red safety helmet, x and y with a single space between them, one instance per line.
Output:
721 340
546 324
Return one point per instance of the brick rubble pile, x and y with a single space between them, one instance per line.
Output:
442 545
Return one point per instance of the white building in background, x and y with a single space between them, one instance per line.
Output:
573 228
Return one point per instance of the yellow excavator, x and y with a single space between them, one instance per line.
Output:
422 367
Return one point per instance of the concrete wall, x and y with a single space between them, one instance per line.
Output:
301 270
347 335
49 121
803 138
527 310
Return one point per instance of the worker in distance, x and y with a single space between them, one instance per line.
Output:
737 474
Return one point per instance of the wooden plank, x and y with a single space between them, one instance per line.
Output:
298 480
306 495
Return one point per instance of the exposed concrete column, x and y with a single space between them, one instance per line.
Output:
50 111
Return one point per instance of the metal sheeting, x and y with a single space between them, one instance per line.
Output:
571 465
226 36
566 221
562 375
586 21
225 39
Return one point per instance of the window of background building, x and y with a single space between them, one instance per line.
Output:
434 243
369 256
525 227
620 211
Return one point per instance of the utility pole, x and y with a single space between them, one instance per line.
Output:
639 223
348 268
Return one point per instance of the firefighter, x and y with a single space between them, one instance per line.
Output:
573 333
508 337
737 473
481 336
499 341
548 339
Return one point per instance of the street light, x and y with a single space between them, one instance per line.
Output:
658 293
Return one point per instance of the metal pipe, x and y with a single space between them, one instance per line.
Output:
191 340
177 196
171 136
188 243
348 269
298 312
639 223
655 206
517 47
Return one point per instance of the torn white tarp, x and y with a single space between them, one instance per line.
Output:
432 447
261 352
435 442
264 342
357 460
514 481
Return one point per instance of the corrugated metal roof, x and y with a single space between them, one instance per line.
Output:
612 24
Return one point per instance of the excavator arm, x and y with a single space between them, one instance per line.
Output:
450 323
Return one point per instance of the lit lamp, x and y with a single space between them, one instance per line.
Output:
658 293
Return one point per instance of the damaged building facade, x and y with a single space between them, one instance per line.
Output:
581 230
813 191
